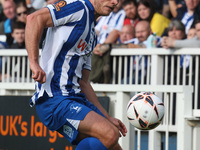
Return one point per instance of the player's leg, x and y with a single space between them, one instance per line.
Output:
95 125
73 116
90 143
92 125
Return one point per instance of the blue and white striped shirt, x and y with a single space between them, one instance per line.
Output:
68 47
108 23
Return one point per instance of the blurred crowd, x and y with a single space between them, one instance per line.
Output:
132 24
144 24
13 15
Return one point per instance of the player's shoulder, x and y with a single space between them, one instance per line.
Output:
65 4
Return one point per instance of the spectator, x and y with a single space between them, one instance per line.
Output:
108 31
176 30
130 8
157 21
173 5
191 33
189 13
21 11
185 60
9 10
145 10
142 32
102 63
2 16
2 46
28 3
108 27
35 4
168 42
18 34
126 34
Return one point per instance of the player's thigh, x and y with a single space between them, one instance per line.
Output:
96 126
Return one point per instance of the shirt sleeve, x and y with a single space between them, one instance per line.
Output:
88 63
64 12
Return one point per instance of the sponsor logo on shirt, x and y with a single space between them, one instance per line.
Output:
87 47
59 5
82 44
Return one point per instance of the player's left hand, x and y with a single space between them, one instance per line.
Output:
119 125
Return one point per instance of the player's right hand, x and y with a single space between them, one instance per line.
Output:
119 125
38 73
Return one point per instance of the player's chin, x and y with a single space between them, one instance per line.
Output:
105 13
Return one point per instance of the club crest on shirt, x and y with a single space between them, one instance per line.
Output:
59 5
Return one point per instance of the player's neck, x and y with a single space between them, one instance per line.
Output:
96 15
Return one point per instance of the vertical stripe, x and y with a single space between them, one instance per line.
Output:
110 17
73 38
63 61
118 20
71 73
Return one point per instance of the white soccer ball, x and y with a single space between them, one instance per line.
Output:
145 111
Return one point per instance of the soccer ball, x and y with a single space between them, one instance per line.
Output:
145 111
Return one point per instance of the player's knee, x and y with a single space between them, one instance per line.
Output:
112 136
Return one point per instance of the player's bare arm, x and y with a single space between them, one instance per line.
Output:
91 96
36 22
